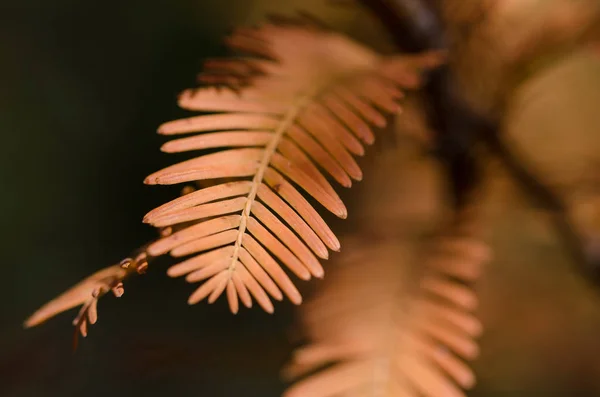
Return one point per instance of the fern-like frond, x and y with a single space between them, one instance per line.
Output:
302 102
291 127
374 334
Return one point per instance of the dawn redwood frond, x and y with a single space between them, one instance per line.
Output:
283 118
291 129
372 332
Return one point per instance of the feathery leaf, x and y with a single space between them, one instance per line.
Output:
291 127
383 336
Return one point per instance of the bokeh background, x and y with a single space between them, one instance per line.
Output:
84 84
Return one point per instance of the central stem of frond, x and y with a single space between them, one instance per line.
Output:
270 149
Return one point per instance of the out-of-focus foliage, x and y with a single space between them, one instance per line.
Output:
541 318
530 65
499 44
553 124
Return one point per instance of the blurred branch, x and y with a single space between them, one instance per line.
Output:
416 25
